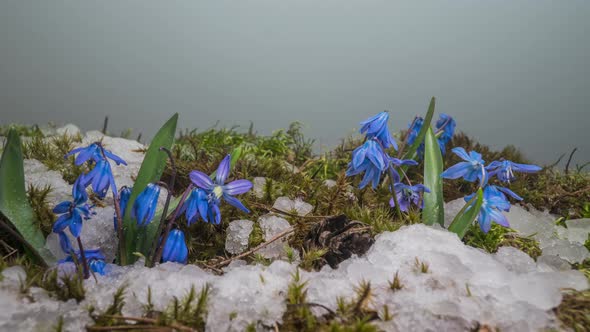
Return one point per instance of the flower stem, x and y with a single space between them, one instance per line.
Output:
84 261
120 233
393 193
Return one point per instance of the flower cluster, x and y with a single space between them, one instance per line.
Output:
495 198
200 201
72 213
445 129
372 159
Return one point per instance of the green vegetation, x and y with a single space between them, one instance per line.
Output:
574 310
286 160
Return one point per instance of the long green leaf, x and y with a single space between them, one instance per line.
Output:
151 170
433 211
14 204
467 215
411 152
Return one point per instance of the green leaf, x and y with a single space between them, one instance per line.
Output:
411 152
14 204
433 211
151 170
467 215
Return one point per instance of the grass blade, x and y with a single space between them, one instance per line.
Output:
467 215
14 204
433 211
151 170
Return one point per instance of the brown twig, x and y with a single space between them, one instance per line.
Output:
24 242
251 251
569 160
150 321
273 209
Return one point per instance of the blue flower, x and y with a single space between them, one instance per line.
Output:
414 128
64 242
494 202
145 205
407 195
196 206
94 152
376 127
72 212
504 169
446 125
175 249
101 178
471 169
371 159
95 259
217 189
124 195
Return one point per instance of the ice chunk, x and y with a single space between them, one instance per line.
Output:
258 184
238 234
451 209
69 129
571 252
330 183
515 260
14 275
554 262
38 175
287 205
273 225
577 230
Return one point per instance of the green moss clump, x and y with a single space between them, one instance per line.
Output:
574 310
499 236
43 212
51 151
351 315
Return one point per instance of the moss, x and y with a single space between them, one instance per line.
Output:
500 236
352 314
574 310
51 151
43 212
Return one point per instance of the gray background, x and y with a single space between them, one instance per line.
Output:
509 71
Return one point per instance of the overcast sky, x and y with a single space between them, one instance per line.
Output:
509 71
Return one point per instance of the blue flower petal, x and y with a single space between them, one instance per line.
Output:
456 171
62 207
223 170
237 187
62 222
201 180
235 203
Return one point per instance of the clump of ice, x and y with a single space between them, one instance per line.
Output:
69 129
40 176
238 234
258 184
330 183
578 230
287 205
272 225
463 286
553 239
